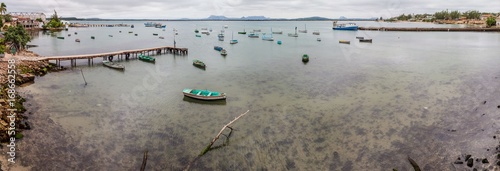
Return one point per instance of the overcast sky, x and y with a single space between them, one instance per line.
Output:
174 9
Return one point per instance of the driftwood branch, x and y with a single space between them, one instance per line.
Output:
144 160
210 146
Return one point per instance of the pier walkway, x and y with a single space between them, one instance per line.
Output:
466 29
127 54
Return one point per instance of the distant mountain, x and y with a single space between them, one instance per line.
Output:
254 18
217 17
315 18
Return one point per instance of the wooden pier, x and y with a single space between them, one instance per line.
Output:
98 25
126 54
417 29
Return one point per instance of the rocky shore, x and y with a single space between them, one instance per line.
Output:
25 73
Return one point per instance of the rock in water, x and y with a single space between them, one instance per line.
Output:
470 162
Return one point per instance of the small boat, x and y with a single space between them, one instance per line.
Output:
146 58
210 30
204 28
113 65
305 58
198 35
155 34
132 26
161 37
205 32
345 41
204 94
256 30
360 38
242 32
225 26
92 37
149 24
76 33
279 42
218 48
277 32
348 26
365 40
110 35
253 35
223 52
198 63
233 41
318 39
196 31
303 31
77 40
130 32
316 32
268 38
293 34
69 35
60 37
221 37
136 34
119 31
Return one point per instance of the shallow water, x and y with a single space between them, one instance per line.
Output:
352 107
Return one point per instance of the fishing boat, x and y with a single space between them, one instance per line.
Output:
348 26
149 24
146 58
365 40
198 63
293 34
113 65
161 37
218 48
233 41
223 52
303 31
92 37
345 41
242 32
305 58
60 37
360 38
316 32
203 94
253 35
77 40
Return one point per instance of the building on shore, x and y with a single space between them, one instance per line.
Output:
29 20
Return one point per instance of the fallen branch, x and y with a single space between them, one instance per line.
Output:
209 146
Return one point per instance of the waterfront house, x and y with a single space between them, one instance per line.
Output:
29 20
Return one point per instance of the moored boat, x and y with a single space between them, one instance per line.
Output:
253 35
218 48
77 40
92 37
279 42
113 65
316 32
359 38
345 41
293 34
318 39
155 34
223 52
303 31
348 26
277 32
199 64
198 35
146 58
365 40
204 94
305 58
60 37
233 41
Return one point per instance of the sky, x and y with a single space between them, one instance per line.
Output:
195 9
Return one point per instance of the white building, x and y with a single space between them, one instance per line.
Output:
29 19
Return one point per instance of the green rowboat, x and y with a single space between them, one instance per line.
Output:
203 94
305 58
199 64
146 58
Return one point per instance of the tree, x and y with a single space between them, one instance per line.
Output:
491 21
474 14
55 22
442 15
3 8
455 15
16 37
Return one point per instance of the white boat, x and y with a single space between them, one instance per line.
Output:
293 34
233 41
316 32
303 31
268 37
225 26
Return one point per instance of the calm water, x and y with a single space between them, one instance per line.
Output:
352 107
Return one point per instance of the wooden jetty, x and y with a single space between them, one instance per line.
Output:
417 29
98 25
120 55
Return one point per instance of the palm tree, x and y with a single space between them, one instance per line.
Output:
3 8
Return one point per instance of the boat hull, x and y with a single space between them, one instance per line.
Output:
113 65
351 28
187 93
